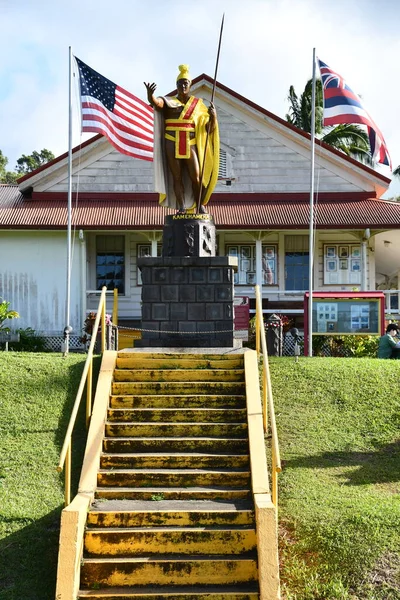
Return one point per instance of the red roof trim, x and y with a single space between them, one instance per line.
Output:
217 198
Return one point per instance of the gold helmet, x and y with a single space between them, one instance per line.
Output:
184 73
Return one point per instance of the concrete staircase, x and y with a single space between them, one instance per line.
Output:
173 515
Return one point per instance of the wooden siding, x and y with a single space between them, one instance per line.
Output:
259 161
33 280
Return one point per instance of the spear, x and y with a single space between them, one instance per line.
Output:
212 100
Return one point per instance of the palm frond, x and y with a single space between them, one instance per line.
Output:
396 171
350 139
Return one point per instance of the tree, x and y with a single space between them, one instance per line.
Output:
6 176
25 164
396 171
348 138
30 162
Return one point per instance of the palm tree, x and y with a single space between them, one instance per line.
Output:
348 138
396 171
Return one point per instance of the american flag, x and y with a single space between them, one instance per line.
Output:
110 110
342 105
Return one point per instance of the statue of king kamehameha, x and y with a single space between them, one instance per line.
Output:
186 147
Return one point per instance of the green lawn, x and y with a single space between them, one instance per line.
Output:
37 393
339 428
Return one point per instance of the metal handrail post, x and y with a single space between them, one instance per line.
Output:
67 492
115 308
65 454
275 472
257 327
89 385
268 404
265 399
103 326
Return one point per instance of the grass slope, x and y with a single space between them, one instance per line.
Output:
37 394
338 423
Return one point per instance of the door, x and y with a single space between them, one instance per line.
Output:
296 263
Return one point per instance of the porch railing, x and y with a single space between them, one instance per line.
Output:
268 402
86 379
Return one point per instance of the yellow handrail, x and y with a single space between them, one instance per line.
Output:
268 402
65 455
115 308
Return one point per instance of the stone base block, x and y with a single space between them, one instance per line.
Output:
187 302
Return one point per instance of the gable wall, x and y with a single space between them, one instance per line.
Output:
262 161
259 158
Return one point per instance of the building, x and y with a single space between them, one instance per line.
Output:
260 206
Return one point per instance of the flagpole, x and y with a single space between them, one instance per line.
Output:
68 327
212 100
311 235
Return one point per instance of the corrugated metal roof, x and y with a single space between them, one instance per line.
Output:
233 211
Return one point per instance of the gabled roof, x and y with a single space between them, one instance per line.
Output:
380 180
45 210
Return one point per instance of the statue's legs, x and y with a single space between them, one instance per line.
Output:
193 167
176 166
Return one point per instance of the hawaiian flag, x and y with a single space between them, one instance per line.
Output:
107 108
342 105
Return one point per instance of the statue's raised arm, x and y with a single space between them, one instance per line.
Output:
157 103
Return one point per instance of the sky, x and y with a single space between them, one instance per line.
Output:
266 47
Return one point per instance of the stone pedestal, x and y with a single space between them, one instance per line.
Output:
187 301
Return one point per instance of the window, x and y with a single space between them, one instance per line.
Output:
342 264
246 254
355 315
110 262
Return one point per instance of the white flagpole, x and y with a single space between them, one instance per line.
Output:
68 327
311 236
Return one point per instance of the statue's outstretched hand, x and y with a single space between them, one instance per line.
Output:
151 88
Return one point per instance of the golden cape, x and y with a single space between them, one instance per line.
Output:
162 177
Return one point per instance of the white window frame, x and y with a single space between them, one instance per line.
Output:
93 253
246 254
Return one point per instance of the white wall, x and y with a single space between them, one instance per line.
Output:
33 279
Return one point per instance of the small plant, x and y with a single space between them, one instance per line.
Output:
157 497
88 326
5 314
95 585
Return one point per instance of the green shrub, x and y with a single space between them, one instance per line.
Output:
29 341
359 346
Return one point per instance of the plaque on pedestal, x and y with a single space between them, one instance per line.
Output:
189 235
